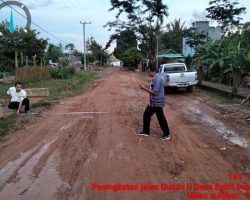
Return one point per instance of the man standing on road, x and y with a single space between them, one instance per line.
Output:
156 104
18 98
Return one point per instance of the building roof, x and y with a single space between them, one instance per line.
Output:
169 55
112 58
172 54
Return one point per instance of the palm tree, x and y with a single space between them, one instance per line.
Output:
176 25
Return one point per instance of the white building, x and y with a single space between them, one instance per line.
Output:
214 33
113 61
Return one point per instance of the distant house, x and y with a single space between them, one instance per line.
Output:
214 33
73 60
113 61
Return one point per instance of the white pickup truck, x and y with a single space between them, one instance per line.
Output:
176 75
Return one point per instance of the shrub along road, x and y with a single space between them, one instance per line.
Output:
90 139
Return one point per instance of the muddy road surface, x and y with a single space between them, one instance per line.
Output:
85 147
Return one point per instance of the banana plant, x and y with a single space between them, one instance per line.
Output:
237 57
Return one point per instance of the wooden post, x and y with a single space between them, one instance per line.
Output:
21 54
236 80
27 61
1 111
16 61
34 61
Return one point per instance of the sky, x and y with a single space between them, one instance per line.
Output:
62 18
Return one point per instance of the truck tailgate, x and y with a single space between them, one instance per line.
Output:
184 77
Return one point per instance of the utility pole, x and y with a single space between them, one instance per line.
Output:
84 43
157 44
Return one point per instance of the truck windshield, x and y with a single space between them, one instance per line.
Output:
174 69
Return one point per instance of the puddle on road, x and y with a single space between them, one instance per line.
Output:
195 114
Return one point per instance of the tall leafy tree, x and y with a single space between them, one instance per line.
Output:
53 53
144 18
124 40
131 58
245 36
227 13
26 42
70 47
176 25
96 52
172 38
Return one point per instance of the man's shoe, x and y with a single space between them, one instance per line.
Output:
27 111
248 118
165 137
141 133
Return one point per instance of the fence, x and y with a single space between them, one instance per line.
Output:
32 73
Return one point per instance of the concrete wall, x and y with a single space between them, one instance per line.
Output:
212 32
37 92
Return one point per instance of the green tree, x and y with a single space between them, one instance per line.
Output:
70 47
124 41
96 51
225 58
195 39
144 18
245 36
131 58
53 53
176 25
237 57
172 39
226 13
26 42
216 56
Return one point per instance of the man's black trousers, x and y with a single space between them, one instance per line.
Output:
161 119
15 105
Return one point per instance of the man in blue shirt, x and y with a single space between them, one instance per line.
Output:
156 104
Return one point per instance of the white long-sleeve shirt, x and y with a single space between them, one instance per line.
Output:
16 96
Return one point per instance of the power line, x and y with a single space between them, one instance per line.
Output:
34 23
70 9
79 8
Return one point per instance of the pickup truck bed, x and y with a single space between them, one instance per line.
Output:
176 75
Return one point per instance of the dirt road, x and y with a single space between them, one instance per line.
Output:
89 139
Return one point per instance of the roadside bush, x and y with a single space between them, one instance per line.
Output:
62 72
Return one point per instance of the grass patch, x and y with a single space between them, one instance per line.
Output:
6 125
68 87
42 103
58 89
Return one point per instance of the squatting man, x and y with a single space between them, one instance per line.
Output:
18 98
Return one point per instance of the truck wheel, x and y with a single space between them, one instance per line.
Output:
190 89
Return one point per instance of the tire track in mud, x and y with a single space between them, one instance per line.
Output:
26 173
79 143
